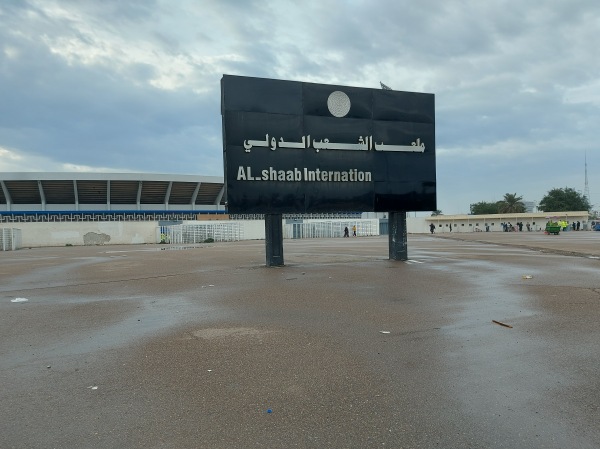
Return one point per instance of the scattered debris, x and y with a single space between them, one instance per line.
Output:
501 323
269 410
384 332
93 387
19 300
48 367
527 276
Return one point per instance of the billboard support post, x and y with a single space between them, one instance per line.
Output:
397 236
274 240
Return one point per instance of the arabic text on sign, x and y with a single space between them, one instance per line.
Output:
364 144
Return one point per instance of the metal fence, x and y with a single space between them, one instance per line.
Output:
200 233
10 239
234 231
330 229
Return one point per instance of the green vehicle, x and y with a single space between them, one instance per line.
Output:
552 227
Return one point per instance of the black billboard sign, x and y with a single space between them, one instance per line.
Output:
292 147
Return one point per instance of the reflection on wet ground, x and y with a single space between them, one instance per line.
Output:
347 348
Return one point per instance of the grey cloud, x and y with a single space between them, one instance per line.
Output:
502 71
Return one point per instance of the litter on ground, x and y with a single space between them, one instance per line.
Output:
501 323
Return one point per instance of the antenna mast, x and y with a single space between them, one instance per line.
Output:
586 189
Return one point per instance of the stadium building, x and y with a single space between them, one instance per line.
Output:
33 197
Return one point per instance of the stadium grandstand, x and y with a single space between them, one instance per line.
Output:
34 197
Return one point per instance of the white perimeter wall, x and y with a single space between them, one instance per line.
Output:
146 232
108 232
86 233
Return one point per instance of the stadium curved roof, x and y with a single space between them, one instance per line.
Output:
41 191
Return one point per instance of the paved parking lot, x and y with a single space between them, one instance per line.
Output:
205 347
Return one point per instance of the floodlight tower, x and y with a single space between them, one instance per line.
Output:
586 189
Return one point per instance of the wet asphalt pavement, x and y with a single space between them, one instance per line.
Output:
205 347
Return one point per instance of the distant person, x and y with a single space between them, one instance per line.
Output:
520 224
432 228
450 227
346 232
354 230
578 225
528 226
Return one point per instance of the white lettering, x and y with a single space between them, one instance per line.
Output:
304 174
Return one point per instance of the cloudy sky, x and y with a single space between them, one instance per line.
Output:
134 85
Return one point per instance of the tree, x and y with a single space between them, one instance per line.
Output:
560 200
511 203
484 208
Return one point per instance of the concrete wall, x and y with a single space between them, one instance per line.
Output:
86 233
108 232
417 225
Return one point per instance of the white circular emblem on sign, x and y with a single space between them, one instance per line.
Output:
338 103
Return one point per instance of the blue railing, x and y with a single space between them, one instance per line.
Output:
101 215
